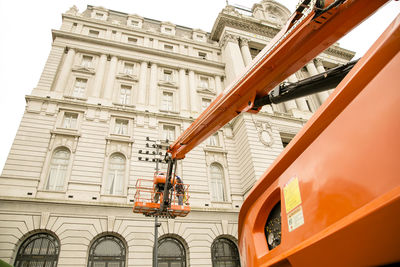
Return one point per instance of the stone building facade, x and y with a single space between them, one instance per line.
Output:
111 80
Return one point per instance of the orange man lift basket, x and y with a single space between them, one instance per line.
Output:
148 199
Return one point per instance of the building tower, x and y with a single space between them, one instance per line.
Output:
111 80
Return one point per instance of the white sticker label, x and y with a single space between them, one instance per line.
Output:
295 218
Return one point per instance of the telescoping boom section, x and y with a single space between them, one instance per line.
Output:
313 27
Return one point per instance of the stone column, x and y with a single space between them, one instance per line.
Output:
98 80
183 93
141 97
153 86
313 71
301 102
232 57
244 47
65 70
290 105
218 84
108 90
194 107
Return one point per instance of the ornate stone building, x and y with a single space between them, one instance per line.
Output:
111 80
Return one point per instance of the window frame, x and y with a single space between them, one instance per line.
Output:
122 180
67 170
223 183
233 248
92 259
170 259
74 87
113 122
33 238
125 99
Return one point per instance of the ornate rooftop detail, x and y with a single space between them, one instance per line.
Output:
72 11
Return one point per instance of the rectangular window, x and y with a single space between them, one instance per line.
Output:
70 120
167 30
128 68
132 40
94 33
168 133
168 75
99 15
286 138
87 61
169 48
134 23
205 102
213 140
167 101
204 82
79 87
203 55
125 94
121 127
199 36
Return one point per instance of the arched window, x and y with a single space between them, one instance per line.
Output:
107 251
224 253
58 169
217 182
38 250
171 253
116 175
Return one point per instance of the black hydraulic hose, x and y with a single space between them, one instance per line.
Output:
314 84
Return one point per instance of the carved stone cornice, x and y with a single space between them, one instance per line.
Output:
245 24
340 52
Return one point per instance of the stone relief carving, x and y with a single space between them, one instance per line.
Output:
229 38
265 133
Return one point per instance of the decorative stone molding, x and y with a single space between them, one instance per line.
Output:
72 11
244 41
265 133
218 157
229 38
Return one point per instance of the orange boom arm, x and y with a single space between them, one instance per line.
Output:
309 31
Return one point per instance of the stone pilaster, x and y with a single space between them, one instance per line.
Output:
65 71
301 102
141 97
183 93
153 87
313 71
218 84
244 48
109 87
232 56
98 80
194 101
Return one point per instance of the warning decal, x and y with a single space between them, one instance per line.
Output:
291 193
295 218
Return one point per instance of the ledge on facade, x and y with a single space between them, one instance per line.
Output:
216 149
127 77
141 49
124 106
66 131
206 91
169 111
75 98
168 84
83 70
120 138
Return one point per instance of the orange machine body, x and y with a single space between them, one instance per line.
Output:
338 181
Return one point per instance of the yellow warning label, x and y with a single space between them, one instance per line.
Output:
291 193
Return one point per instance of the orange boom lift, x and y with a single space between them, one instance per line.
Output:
332 198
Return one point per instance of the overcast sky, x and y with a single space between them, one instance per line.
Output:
25 40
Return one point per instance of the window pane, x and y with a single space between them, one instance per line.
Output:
205 102
224 253
58 169
203 82
171 253
121 127
167 101
128 68
107 251
217 183
116 174
38 250
125 94
87 61
70 120
79 87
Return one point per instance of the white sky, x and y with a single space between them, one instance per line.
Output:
25 40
